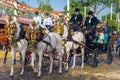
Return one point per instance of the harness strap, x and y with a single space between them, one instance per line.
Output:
46 42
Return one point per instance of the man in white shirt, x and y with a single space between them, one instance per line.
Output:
38 20
48 22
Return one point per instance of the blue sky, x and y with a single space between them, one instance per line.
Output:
58 5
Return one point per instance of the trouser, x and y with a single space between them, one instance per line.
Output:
49 28
117 47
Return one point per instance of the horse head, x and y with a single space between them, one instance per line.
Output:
11 31
32 35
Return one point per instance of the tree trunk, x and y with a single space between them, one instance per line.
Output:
95 9
111 10
118 20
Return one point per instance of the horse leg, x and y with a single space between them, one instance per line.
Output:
51 63
60 61
23 61
33 61
82 50
5 57
40 64
12 64
74 58
68 54
20 56
23 53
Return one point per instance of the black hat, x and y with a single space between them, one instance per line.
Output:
36 13
77 10
47 14
90 13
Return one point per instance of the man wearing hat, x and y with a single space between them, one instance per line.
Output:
48 22
37 19
91 22
77 17
75 21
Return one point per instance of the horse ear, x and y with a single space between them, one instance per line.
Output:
33 24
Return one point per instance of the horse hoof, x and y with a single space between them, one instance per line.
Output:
35 71
38 76
50 72
21 74
60 72
11 75
73 67
66 70
4 62
82 67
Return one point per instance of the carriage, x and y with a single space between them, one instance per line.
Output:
94 52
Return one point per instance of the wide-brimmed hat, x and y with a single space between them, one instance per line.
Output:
47 14
98 25
90 13
77 10
36 13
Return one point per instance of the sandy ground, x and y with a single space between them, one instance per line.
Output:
102 72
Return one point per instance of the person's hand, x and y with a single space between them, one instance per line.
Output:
84 27
70 23
78 22
93 26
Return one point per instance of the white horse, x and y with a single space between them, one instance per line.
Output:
51 42
16 46
78 41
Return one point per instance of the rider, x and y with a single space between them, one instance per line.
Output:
48 22
75 21
37 19
91 22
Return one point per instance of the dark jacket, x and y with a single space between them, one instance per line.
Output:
76 18
94 22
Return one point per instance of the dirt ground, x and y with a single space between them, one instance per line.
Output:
102 72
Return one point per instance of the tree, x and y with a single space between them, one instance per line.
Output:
75 4
23 2
94 4
46 7
107 17
112 23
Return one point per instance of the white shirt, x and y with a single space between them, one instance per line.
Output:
47 21
37 19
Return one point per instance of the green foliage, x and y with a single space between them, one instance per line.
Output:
108 17
113 24
76 4
45 7
9 10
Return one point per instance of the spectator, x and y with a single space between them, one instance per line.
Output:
48 22
37 19
106 27
117 44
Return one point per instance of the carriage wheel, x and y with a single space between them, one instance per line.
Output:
110 51
95 57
